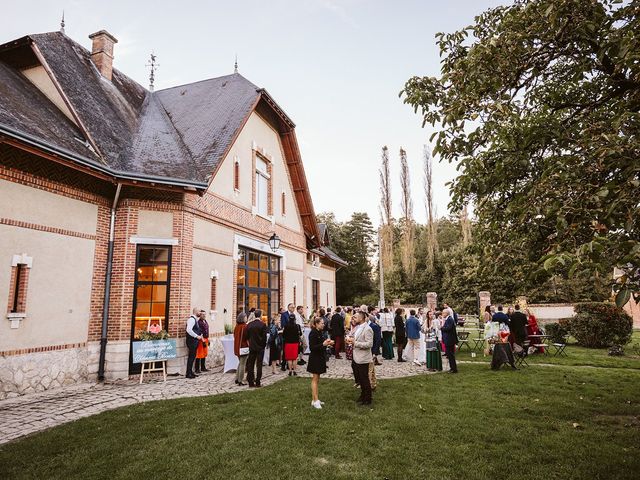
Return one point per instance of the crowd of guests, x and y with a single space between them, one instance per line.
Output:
362 335
515 325
365 335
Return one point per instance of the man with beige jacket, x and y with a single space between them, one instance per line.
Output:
362 341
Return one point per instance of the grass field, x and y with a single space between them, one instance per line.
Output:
542 422
576 355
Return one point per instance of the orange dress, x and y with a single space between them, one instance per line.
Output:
203 348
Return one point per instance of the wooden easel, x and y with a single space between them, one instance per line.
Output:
149 367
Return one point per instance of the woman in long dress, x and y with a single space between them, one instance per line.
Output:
386 324
401 334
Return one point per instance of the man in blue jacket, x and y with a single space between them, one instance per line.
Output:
413 336
450 340
501 317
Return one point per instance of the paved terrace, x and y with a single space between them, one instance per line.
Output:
34 412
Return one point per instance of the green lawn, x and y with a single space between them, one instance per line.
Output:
478 424
576 355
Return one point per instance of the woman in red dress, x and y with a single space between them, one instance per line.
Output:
532 327
291 336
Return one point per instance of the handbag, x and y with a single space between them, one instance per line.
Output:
244 351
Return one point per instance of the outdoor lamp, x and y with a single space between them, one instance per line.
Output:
274 242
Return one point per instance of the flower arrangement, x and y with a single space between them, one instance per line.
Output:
154 332
228 328
493 340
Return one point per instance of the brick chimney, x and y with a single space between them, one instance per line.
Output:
102 52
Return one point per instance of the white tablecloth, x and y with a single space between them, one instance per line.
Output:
305 334
422 356
230 359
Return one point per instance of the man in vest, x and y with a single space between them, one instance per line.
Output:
193 337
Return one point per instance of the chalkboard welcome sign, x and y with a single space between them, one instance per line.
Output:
154 350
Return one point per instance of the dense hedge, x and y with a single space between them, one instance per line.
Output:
556 331
600 325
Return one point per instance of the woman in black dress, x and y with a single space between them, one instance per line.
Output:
317 361
401 334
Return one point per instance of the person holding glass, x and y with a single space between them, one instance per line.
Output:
317 364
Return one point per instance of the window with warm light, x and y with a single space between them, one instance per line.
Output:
151 288
258 282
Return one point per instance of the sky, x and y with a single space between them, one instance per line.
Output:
335 66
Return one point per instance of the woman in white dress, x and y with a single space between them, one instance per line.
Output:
436 324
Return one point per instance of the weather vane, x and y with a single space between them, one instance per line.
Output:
235 65
153 66
62 23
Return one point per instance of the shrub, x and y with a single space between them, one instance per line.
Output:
556 331
616 351
600 325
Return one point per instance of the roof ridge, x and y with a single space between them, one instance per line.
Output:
208 80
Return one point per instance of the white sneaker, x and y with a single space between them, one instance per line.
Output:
321 402
417 363
316 404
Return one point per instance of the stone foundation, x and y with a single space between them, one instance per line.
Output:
35 372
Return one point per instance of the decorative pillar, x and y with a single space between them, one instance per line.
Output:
484 299
432 301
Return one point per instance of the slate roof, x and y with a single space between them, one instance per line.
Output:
24 108
208 113
174 136
180 132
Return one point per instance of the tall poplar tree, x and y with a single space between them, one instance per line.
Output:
407 223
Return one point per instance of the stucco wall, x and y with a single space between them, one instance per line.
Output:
154 224
551 312
211 235
38 76
26 204
257 133
203 263
58 292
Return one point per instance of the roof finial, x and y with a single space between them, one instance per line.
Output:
152 74
235 65
62 22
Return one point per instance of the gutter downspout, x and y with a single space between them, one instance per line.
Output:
107 286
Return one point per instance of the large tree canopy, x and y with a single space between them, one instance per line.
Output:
539 102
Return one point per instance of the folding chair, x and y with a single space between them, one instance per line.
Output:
463 339
521 357
560 346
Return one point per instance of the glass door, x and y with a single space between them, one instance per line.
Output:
150 292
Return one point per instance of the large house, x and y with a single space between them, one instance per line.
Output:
122 207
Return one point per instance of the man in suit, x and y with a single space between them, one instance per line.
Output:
450 339
362 342
519 325
336 330
193 337
256 335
